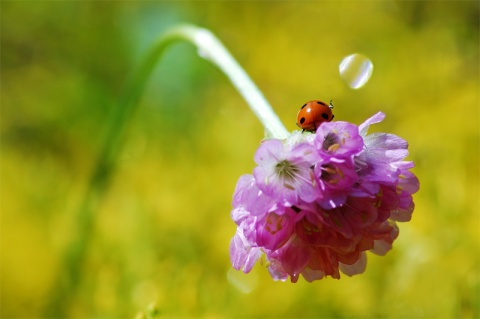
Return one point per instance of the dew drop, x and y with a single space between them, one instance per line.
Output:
355 70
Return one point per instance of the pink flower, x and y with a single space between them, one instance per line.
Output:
334 180
285 173
317 203
338 140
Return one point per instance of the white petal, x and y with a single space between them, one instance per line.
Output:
380 247
357 268
311 275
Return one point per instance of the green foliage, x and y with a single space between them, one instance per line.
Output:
158 244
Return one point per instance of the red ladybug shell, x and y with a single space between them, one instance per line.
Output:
314 113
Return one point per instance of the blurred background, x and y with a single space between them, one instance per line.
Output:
154 239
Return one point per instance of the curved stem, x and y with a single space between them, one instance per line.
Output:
212 49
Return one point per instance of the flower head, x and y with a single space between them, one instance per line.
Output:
316 203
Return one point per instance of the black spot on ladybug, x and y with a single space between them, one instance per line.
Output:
303 106
302 120
320 102
325 116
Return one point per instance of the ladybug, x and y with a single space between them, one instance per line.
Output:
314 113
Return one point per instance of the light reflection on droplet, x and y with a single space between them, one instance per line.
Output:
355 70
246 283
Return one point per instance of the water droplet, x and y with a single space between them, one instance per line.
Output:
355 70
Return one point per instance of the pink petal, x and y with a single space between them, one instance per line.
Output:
276 270
403 214
270 152
376 118
242 255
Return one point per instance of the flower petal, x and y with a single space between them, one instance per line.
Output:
376 118
248 196
338 139
356 268
242 255
311 275
270 152
274 230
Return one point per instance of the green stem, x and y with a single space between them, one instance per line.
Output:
209 48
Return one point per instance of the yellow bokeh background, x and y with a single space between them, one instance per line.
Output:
156 243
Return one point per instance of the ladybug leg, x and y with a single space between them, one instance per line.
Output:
331 104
